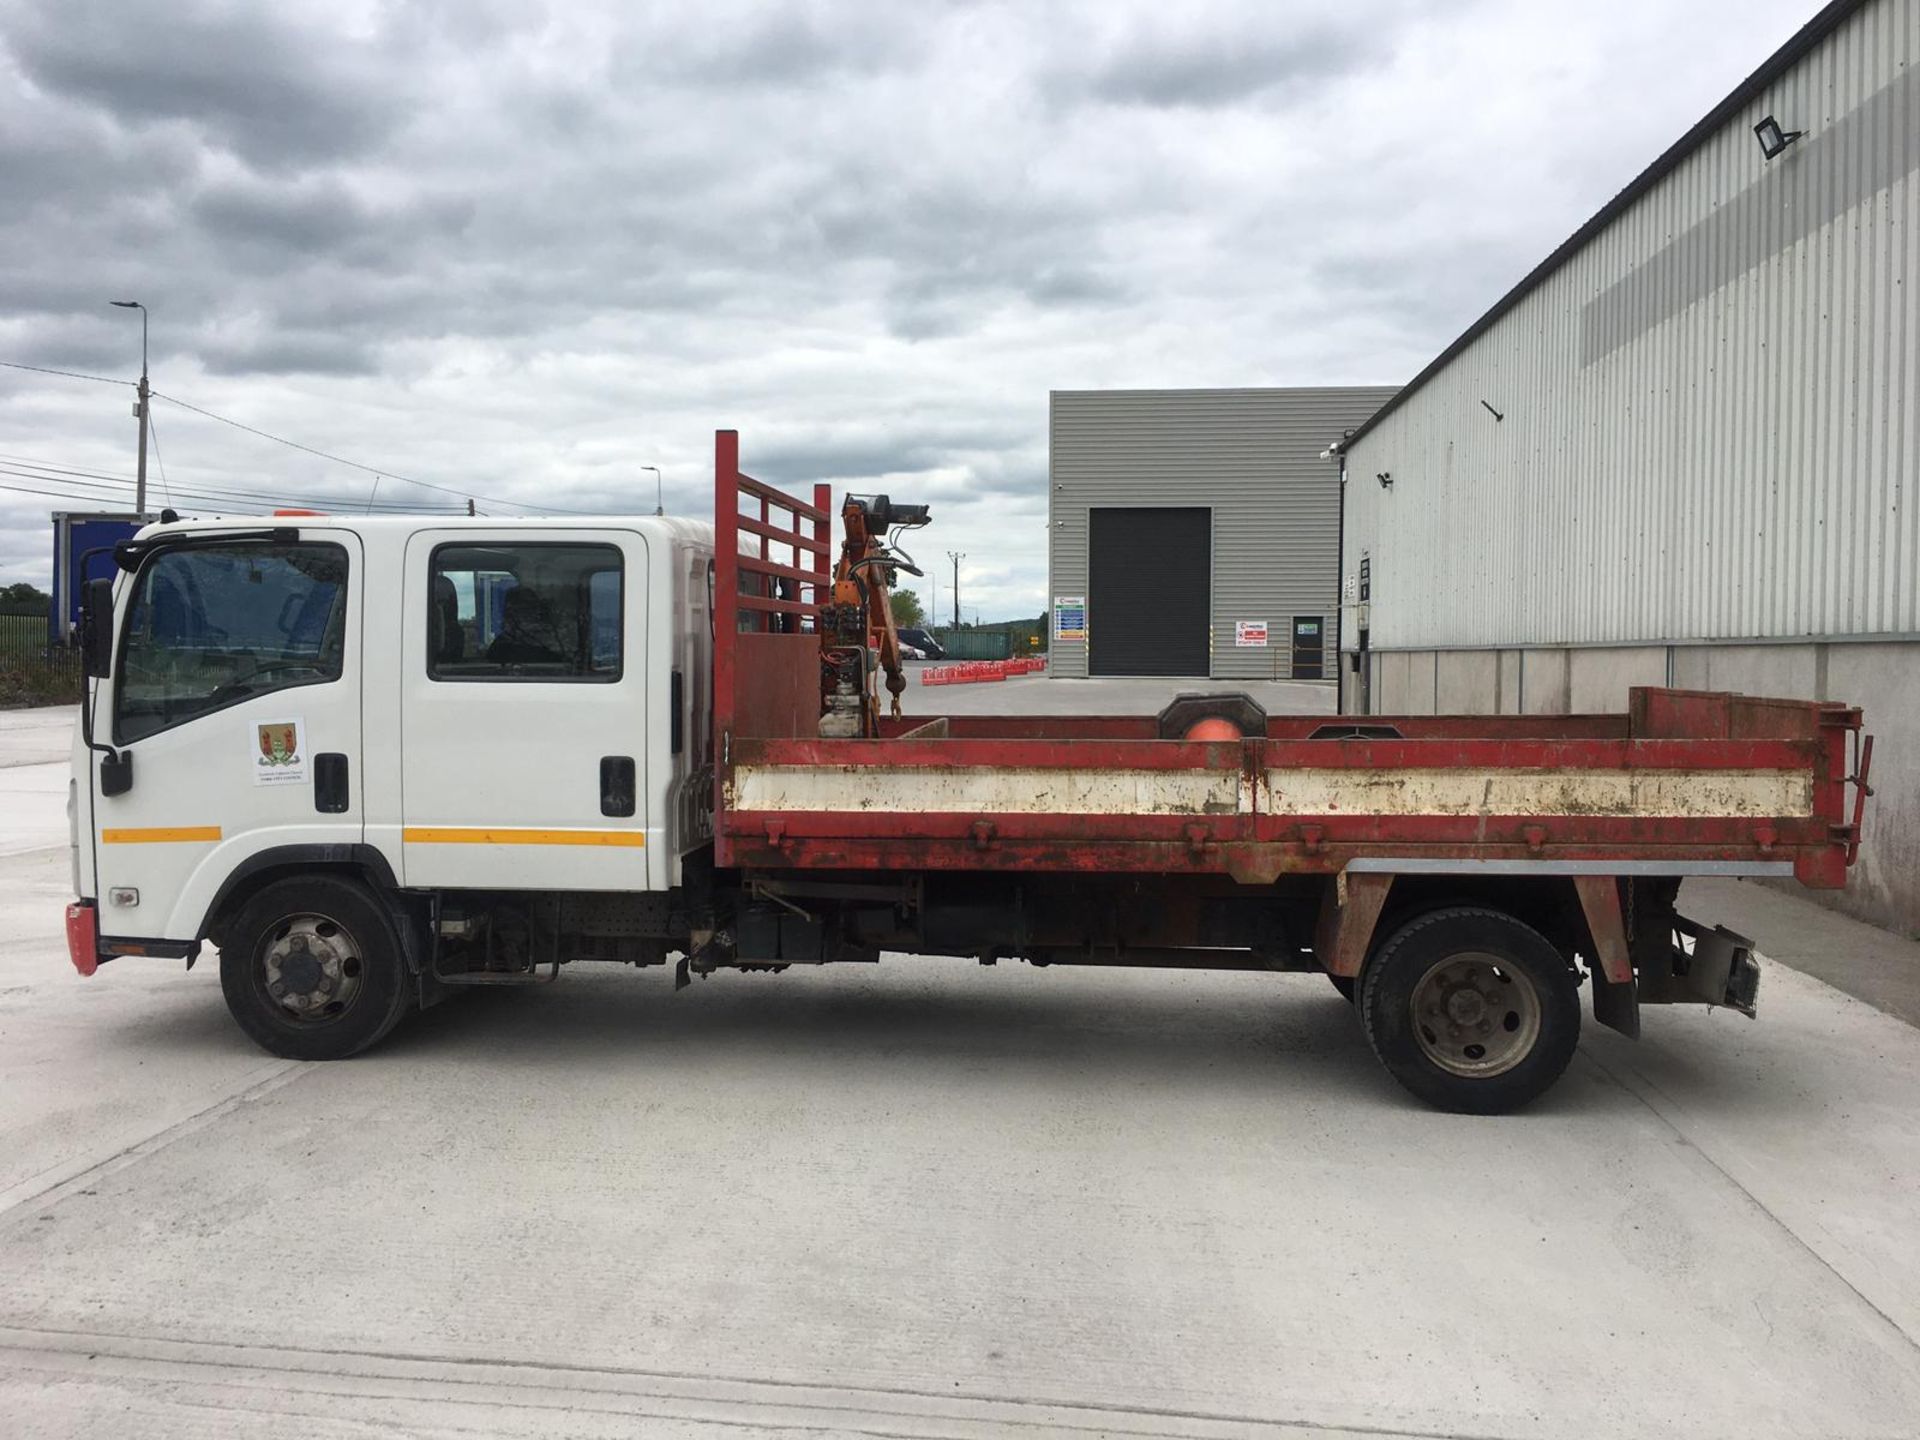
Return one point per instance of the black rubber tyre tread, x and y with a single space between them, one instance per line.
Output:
1347 985
1386 988
386 988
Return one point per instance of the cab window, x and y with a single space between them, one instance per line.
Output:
525 612
211 625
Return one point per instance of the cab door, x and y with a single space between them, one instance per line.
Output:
523 715
236 694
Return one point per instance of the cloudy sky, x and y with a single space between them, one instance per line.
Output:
521 251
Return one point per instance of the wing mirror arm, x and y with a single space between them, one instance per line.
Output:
96 658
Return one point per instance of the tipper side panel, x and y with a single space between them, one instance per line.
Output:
1683 782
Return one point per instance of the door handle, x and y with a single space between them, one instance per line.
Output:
616 785
330 783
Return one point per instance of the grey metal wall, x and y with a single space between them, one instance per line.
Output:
1709 425
1253 456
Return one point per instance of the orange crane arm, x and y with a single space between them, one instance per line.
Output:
862 608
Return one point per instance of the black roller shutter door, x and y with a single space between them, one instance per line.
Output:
1149 577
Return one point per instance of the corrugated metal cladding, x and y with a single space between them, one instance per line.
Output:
1709 425
1251 456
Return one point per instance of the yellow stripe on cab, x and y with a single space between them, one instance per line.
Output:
160 835
501 835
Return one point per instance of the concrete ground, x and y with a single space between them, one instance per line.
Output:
33 776
933 1199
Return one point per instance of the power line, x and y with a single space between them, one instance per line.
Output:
356 465
56 494
388 472
87 493
282 440
70 374
108 487
61 469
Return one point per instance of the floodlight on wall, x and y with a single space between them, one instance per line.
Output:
1772 138
1385 479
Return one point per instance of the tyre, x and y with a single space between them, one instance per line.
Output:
312 969
1471 1010
1347 985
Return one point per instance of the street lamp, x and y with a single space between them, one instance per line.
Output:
140 409
659 490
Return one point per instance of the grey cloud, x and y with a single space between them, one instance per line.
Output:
265 88
1401 283
52 159
105 349
900 448
788 44
1223 67
314 216
289 353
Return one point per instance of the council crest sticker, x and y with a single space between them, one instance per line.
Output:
280 753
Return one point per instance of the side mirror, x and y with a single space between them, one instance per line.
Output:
96 628
116 772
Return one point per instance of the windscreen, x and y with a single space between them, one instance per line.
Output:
211 625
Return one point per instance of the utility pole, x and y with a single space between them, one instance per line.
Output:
956 556
659 490
140 409
469 508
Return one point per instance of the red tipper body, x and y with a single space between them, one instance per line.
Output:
1683 781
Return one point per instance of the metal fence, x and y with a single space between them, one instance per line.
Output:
975 644
32 672
23 636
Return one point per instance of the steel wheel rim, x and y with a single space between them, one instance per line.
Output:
1475 1014
312 969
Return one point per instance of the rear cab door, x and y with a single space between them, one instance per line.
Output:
523 709
236 692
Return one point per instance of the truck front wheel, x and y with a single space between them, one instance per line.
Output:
1471 1010
312 969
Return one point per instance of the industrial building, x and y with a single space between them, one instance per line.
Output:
1196 532
1684 449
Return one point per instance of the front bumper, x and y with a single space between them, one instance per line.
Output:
89 952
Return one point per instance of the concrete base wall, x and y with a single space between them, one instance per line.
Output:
1542 687
1598 680
1882 677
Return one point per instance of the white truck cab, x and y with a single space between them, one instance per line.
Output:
340 712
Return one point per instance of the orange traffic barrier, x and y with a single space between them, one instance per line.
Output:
972 672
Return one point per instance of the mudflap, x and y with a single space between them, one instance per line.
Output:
1616 1004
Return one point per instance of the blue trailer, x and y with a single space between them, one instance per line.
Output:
76 533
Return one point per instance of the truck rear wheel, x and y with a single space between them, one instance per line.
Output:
1471 1010
312 969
